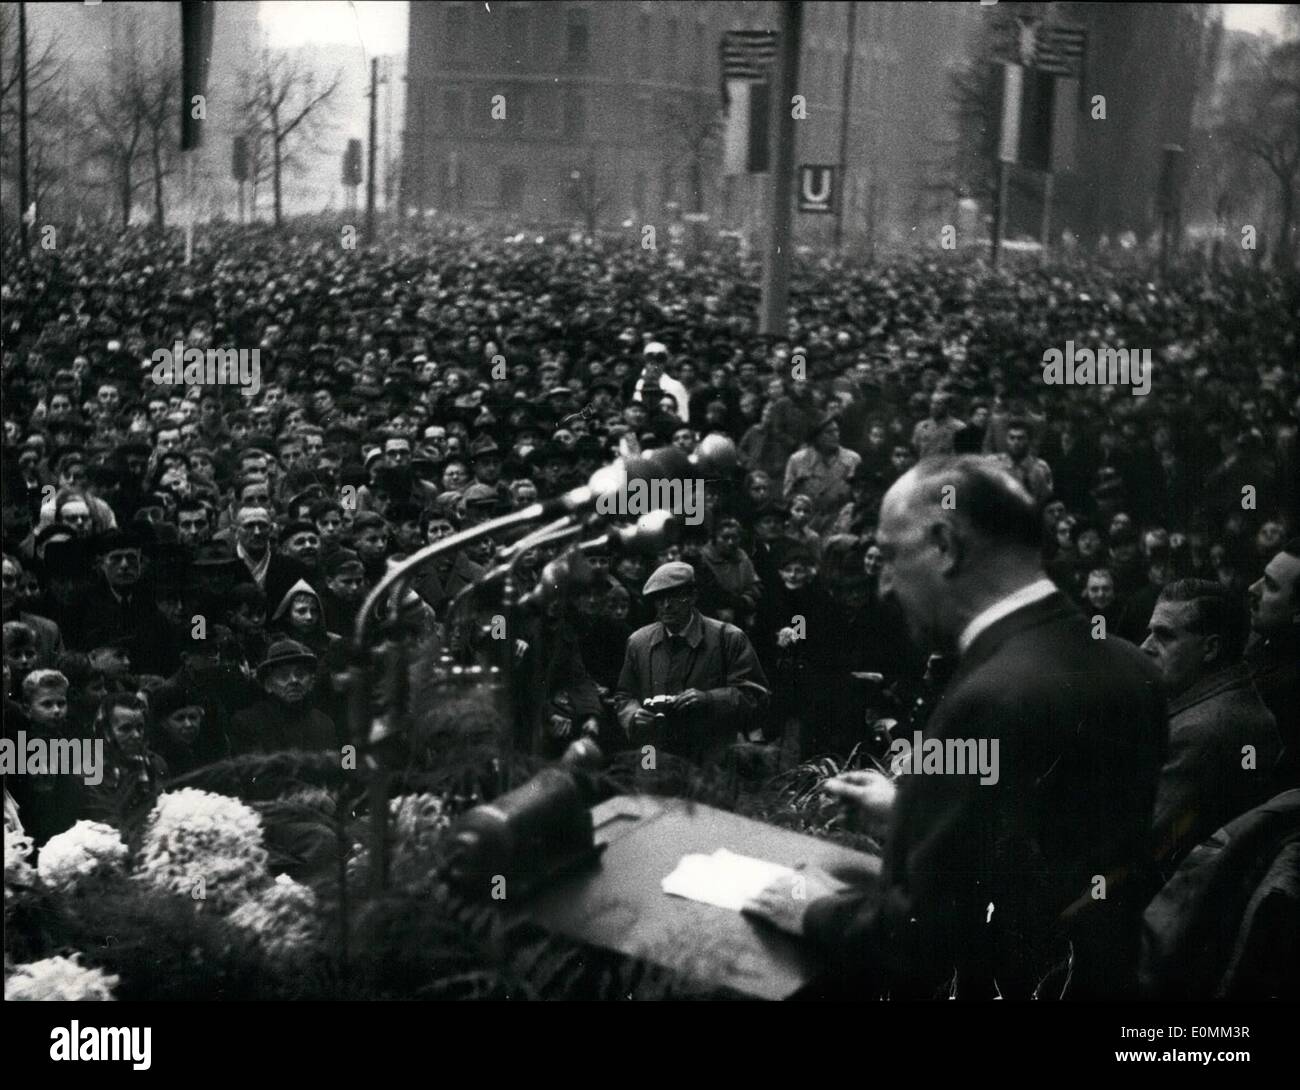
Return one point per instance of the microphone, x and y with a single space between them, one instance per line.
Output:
651 533
569 570
715 455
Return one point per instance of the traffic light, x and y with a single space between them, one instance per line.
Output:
352 163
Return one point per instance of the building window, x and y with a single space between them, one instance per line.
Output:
578 42
642 46
543 108
511 196
575 115
457 34
454 110
516 33
640 193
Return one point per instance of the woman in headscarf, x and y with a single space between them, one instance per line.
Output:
300 615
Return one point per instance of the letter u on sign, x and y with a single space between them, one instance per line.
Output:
816 188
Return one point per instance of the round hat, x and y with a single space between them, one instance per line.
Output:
670 576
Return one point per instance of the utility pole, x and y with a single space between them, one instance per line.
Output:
845 101
776 263
22 126
999 211
370 167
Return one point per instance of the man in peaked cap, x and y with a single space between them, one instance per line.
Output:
689 683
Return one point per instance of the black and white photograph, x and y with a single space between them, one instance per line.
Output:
617 501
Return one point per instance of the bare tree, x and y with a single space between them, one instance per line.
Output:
47 114
285 105
159 89
588 194
116 128
1261 119
690 130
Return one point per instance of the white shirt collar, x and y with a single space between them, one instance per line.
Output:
1036 591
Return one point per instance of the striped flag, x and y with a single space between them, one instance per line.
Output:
1059 50
746 59
747 54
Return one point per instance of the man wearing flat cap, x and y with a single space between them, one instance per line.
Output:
689 683
822 469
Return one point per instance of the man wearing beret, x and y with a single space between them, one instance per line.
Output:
689 683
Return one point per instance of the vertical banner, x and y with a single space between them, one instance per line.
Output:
196 53
760 101
1065 124
735 134
1037 114
745 59
1012 89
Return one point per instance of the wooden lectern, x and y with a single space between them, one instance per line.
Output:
617 903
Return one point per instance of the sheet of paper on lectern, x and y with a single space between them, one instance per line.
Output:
724 878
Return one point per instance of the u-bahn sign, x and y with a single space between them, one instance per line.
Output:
816 188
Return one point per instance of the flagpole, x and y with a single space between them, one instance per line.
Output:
1045 234
776 262
846 101
189 202
22 126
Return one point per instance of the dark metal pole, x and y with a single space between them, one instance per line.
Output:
22 126
845 101
776 264
999 211
370 169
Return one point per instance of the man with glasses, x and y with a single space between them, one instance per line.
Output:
690 684
654 360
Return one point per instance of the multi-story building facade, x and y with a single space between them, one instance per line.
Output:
608 112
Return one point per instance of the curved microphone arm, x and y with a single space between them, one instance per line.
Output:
400 571
506 566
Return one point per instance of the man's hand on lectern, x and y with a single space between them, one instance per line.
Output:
869 794
784 903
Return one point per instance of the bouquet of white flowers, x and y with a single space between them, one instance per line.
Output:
19 874
204 846
59 979
283 916
87 852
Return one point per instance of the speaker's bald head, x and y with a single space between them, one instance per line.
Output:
977 491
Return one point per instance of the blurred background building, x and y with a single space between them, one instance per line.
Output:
607 114
612 110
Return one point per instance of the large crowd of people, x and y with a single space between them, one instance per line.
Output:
183 563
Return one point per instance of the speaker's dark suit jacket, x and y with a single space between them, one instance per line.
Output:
1001 882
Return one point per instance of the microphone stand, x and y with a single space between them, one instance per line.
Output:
361 680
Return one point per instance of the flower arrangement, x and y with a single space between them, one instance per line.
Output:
19 873
59 978
283 917
87 853
418 821
204 846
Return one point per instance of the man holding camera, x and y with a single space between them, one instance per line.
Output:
689 683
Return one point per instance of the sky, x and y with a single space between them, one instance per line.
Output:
1254 17
381 24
